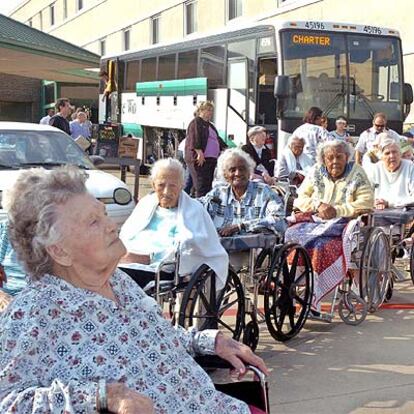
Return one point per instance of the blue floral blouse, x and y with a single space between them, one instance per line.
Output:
57 340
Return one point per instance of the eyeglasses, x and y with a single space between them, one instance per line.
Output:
379 126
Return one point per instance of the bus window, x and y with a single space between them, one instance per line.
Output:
266 104
166 67
212 65
316 65
246 49
132 75
187 64
148 69
374 76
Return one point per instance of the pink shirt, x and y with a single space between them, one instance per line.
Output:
213 147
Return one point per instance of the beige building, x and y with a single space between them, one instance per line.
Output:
113 26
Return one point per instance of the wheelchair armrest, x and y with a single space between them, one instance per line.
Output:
215 362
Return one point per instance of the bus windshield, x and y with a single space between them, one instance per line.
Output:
344 74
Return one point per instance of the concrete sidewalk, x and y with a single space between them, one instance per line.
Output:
336 368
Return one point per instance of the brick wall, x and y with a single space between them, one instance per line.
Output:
19 98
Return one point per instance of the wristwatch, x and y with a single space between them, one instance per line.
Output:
102 399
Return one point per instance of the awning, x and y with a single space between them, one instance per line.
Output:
25 51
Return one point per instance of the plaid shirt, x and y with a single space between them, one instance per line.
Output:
259 207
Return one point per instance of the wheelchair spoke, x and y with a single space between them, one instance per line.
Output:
229 328
294 266
300 277
292 316
206 303
227 306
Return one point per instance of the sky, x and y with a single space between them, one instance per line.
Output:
6 6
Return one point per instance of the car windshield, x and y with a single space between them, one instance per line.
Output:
19 149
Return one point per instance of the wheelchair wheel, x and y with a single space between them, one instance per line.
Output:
375 269
251 335
352 309
288 292
262 266
203 308
412 264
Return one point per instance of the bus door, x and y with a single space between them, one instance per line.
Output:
237 100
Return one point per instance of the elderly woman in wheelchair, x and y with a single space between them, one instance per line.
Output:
333 193
393 181
250 217
164 220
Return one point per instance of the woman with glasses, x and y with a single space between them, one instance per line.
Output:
367 138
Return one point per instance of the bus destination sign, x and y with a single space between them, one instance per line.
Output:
305 39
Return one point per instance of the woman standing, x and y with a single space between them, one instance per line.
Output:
311 131
202 148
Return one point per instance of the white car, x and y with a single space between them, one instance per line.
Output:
25 145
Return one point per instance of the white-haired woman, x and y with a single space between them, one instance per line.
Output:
294 163
238 204
82 337
202 148
392 177
333 192
260 154
164 220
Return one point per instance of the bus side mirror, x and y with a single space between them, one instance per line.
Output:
408 94
281 92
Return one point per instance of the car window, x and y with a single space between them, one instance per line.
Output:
20 148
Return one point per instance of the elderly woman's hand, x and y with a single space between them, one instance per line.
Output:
381 204
326 211
238 355
229 230
136 258
123 400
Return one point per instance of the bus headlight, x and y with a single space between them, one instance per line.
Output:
122 196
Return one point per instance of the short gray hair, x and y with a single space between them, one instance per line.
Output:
387 142
167 164
344 146
229 155
32 205
255 130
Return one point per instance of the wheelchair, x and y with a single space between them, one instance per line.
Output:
396 228
287 291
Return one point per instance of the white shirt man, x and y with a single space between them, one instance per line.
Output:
45 120
367 139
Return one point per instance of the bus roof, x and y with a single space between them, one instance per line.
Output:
264 25
335 27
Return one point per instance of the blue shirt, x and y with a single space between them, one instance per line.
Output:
260 206
16 276
77 129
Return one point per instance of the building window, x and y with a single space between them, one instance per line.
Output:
155 29
65 9
41 20
190 17
102 46
80 4
126 39
52 14
235 8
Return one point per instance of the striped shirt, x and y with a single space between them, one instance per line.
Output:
259 207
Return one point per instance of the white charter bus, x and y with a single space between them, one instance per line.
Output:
266 74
